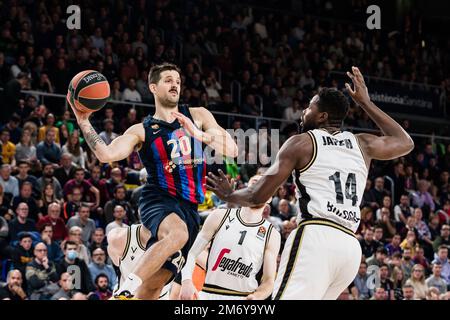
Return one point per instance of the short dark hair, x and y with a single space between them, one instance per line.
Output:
23 162
333 102
69 242
404 195
84 205
42 227
443 246
397 255
154 74
26 183
382 249
119 186
79 169
101 275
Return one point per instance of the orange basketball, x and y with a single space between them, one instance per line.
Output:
89 91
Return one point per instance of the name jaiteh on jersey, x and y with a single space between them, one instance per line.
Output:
331 185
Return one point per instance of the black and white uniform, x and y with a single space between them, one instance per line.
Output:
134 250
322 256
235 262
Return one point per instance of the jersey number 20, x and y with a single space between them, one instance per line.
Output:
350 188
183 144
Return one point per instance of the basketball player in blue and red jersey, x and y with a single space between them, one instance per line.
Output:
170 146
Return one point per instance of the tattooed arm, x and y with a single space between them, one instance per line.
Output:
119 149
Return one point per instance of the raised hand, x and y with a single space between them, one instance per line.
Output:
219 185
359 94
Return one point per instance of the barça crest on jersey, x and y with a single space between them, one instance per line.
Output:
261 232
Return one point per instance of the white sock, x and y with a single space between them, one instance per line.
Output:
131 284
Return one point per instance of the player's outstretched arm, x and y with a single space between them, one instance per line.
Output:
211 133
396 142
265 289
296 151
209 229
119 149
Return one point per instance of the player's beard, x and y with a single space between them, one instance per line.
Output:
306 126
103 289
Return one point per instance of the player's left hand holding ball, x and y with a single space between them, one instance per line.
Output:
88 92
81 116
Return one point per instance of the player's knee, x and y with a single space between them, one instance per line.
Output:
179 237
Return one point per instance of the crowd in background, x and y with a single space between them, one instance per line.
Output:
57 202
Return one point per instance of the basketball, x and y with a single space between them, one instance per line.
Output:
89 91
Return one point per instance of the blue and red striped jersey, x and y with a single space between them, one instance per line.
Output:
173 159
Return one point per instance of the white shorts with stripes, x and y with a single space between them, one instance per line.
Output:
318 262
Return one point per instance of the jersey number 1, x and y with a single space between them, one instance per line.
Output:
350 188
243 234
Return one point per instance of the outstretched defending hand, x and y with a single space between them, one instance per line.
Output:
219 185
359 94
81 116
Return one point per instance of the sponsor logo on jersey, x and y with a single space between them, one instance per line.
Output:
170 166
182 164
232 267
261 232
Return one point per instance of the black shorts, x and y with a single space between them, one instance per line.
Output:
155 205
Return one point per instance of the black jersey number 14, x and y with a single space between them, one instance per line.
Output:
350 188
